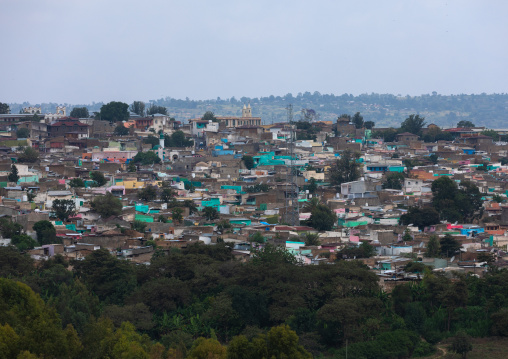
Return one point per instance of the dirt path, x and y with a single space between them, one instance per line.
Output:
443 351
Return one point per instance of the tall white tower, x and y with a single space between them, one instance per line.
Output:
160 151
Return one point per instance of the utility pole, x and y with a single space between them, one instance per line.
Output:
292 215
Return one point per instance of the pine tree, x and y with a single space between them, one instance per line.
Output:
433 247
13 176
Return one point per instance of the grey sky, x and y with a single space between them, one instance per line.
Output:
103 50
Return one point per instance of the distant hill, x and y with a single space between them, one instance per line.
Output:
490 110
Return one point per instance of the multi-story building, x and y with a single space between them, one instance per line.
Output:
68 127
235 121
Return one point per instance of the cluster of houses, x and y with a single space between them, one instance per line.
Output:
213 173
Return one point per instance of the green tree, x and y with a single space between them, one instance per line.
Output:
420 217
248 161
23 242
23 133
454 203
75 304
121 130
106 276
433 247
29 155
154 109
465 124
176 215
433 158
461 344
177 139
312 239
9 228
369 125
491 133
500 323
388 135
207 349
131 167
413 124
115 111
107 205
222 225
364 250
449 245
394 180
346 169
79 112
14 264
279 342
444 192
138 107
209 116
257 188
146 158
358 120
77 183
270 254
407 235
312 187
167 194
46 232
138 314
322 218
469 201
152 140
311 204
13 175
257 238
37 325
9 342
486 257
4 109
149 193
30 194
210 213
63 208
98 179
139 226
367 249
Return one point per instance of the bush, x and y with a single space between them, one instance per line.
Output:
29 155
23 133
76 183
98 179
107 205
423 349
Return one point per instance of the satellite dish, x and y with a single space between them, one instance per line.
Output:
452 259
421 244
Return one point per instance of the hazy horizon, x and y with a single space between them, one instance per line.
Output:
95 51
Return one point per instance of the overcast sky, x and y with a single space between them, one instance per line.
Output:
80 51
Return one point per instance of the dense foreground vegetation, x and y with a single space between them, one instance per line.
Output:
201 303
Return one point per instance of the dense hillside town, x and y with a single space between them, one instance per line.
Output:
129 231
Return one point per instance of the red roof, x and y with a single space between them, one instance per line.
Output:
458 129
69 123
